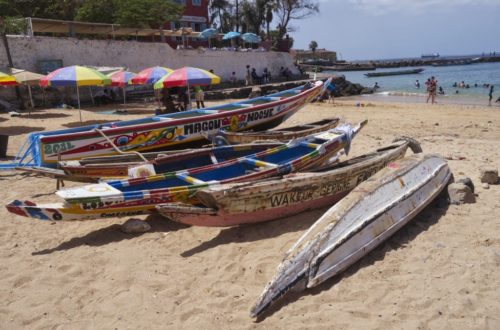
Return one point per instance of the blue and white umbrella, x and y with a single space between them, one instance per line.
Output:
251 38
208 33
231 35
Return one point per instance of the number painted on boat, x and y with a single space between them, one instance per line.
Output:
55 148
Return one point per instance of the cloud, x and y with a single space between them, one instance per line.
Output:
381 7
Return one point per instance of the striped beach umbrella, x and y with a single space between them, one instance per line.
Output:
150 75
76 76
121 79
6 79
187 76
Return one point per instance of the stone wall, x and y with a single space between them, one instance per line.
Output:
27 51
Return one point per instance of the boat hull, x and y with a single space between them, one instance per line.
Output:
366 217
168 131
233 205
284 134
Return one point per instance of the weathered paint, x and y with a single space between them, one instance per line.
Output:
277 198
361 221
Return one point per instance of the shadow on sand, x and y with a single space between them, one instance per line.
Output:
18 130
258 231
113 234
45 115
422 222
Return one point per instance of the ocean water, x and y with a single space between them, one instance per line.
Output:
403 87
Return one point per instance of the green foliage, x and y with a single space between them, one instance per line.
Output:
147 13
13 25
97 11
313 45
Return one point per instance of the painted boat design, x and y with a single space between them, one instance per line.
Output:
131 197
85 171
284 134
244 203
164 131
366 217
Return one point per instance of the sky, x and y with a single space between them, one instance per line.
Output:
381 29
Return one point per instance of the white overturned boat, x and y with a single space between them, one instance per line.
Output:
367 216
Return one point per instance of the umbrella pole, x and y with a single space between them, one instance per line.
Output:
189 98
31 100
123 89
78 98
91 96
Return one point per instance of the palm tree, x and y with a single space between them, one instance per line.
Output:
313 45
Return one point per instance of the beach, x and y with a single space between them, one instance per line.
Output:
440 271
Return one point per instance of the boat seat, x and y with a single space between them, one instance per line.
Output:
310 145
258 163
189 179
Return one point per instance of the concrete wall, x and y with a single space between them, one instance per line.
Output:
26 51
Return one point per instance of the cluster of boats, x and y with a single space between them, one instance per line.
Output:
253 177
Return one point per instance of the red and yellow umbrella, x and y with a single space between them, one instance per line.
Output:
6 79
121 79
187 76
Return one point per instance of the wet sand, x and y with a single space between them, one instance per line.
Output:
440 271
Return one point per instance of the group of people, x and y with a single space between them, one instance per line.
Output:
177 99
105 96
253 78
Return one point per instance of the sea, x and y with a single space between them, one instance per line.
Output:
402 88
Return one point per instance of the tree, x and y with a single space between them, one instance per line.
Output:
288 10
313 45
97 11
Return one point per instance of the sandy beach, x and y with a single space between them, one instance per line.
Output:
438 272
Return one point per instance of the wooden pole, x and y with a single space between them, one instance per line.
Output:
78 97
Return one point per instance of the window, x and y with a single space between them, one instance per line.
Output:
196 2
180 2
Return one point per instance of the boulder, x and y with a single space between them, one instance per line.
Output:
460 194
489 175
468 182
135 226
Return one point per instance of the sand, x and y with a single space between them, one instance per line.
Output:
440 271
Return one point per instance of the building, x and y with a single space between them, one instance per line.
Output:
195 17
323 54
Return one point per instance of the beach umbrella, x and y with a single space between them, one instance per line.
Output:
208 34
251 38
6 79
231 35
186 77
76 76
121 79
150 75
28 79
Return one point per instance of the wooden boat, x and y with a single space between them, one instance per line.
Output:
393 73
366 217
132 197
101 168
283 134
243 203
164 131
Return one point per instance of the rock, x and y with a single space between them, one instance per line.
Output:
256 92
460 194
489 175
468 182
485 186
135 226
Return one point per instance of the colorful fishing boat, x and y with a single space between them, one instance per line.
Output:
283 134
244 203
128 166
131 197
365 218
163 131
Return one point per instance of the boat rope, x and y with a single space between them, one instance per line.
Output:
118 149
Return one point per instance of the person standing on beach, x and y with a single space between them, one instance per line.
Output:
490 94
431 89
248 77
417 84
199 97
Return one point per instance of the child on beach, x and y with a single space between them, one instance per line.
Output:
199 96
